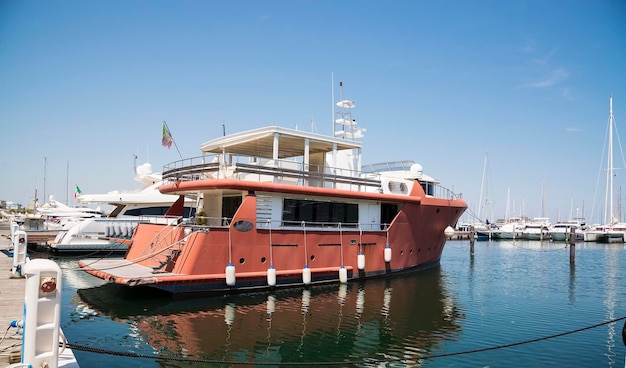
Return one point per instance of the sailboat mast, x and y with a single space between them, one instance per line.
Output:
544 207
610 162
482 189
507 214
45 165
67 184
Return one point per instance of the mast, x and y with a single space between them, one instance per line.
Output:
45 165
348 126
67 183
619 204
35 199
482 189
507 214
544 207
609 178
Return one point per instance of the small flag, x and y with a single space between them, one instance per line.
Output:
77 192
167 140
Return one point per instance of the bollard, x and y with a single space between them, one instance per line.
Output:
572 245
472 235
42 314
20 239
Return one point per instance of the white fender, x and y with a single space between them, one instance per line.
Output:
306 275
271 276
231 277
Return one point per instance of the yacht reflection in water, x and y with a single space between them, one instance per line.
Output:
405 316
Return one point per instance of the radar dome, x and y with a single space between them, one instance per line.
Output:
144 169
416 171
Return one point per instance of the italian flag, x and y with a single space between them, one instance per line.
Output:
77 192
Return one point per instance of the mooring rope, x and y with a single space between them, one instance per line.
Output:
348 362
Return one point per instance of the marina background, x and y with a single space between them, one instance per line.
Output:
509 292
88 84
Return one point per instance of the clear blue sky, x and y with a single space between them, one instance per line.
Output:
442 82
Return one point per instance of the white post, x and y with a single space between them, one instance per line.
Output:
42 313
20 239
14 228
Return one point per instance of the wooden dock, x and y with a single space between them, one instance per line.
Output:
12 308
11 302
460 235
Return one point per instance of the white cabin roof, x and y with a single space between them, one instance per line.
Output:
291 143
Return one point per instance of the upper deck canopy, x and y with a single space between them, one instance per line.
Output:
291 143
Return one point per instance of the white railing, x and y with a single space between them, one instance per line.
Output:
290 172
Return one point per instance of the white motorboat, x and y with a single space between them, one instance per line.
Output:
561 230
56 214
510 230
537 229
112 233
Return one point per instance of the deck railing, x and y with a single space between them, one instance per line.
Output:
277 171
207 223
284 171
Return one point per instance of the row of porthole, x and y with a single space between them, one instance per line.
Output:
263 259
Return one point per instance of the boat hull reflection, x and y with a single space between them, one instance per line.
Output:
401 317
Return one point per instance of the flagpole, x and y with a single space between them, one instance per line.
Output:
173 141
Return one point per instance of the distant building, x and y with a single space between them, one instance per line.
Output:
11 205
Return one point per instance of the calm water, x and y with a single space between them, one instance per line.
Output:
507 293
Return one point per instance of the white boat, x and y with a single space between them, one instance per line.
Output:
483 231
43 225
54 209
612 233
537 229
112 233
56 215
512 230
561 230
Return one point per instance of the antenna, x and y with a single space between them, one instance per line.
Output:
344 119
332 102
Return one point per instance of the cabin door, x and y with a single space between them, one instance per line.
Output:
230 205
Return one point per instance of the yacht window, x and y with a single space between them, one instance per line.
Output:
319 213
429 188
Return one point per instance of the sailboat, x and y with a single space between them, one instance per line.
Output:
613 231
483 228
512 227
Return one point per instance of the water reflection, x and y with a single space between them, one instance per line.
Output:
401 317
572 283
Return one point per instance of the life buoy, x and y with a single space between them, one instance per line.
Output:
48 286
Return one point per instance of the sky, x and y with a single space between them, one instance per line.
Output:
521 85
